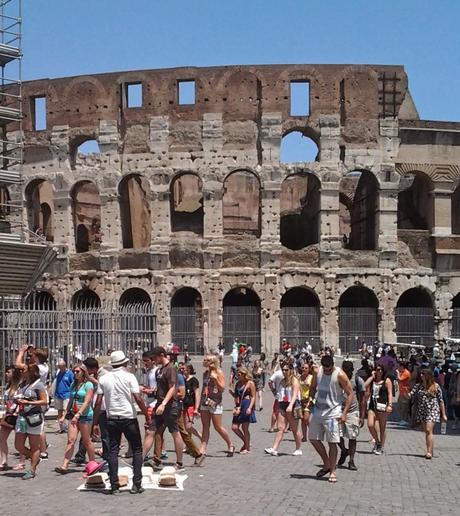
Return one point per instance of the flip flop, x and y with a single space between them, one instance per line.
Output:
332 480
322 472
61 471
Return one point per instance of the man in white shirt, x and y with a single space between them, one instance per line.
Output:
274 384
120 389
149 389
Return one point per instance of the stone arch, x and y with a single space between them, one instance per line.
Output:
300 206
187 319
85 299
300 317
186 203
358 318
137 320
299 144
40 300
134 199
415 202
40 208
86 212
135 296
414 315
359 205
241 318
241 203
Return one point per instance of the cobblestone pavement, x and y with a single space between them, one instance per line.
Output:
401 481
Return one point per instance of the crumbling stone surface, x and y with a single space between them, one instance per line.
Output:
207 196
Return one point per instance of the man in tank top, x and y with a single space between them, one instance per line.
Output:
330 388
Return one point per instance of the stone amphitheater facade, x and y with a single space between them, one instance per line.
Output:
189 204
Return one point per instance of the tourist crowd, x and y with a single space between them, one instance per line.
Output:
314 399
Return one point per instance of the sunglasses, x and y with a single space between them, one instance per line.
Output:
285 370
77 371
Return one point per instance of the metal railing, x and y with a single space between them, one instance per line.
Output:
415 324
75 334
299 324
356 326
243 323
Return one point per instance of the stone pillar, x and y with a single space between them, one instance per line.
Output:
387 224
213 331
110 220
387 310
270 316
212 224
160 221
212 134
162 312
330 136
64 231
442 214
271 132
270 245
329 318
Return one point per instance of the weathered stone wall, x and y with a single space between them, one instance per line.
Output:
229 142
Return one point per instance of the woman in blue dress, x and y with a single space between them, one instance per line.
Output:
244 411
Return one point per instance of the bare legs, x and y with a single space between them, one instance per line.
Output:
4 434
206 418
32 453
381 419
244 435
305 421
283 419
329 461
428 429
72 433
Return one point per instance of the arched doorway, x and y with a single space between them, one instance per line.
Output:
87 337
137 323
300 208
415 317
455 332
241 203
86 210
187 319
299 317
358 318
241 318
40 206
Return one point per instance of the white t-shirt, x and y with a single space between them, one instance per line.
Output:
44 370
117 386
150 381
276 378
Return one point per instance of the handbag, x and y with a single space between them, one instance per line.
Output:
208 402
298 412
380 407
34 417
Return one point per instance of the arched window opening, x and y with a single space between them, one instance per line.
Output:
40 300
300 318
415 317
187 204
455 209
135 212
86 207
241 318
241 204
135 296
415 202
358 319
187 320
456 316
85 299
297 148
40 206
88 147
300 208
358 210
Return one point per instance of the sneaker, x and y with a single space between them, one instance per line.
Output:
136 489
44 456
199 460
375 448
179 467
379 451
352 466
156 466
115 491
343 458
271 451
164 455
297 453
28 475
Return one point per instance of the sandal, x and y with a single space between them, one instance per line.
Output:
4 467
19 467
231 452
428 456
28 475
61 471
332 479
322 472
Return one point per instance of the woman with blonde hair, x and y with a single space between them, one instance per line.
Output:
244 411
211 409
288 396
305 381
258 376
430 407
80 416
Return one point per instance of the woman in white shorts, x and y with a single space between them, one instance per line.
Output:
32 396
211 408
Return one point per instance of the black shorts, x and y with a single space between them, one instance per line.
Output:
167 420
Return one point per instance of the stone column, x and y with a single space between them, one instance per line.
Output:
213 331
162 312
442 214
270 245
64 231
270 316
329 318
160 221
387 224
212 224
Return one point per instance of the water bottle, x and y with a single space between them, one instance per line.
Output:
22 424
443 428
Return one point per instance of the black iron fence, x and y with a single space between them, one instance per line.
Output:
301 324
357 325
415 324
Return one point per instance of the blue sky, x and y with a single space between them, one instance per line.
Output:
75 37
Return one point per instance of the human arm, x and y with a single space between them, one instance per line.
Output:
252 392
20 363
389 389
361 396
171 392
196 393
140 402
345 384
219 378
442 407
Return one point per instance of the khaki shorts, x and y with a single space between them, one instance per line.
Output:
61 404
350 429
321 429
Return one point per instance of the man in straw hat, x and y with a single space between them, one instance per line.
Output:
120 389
